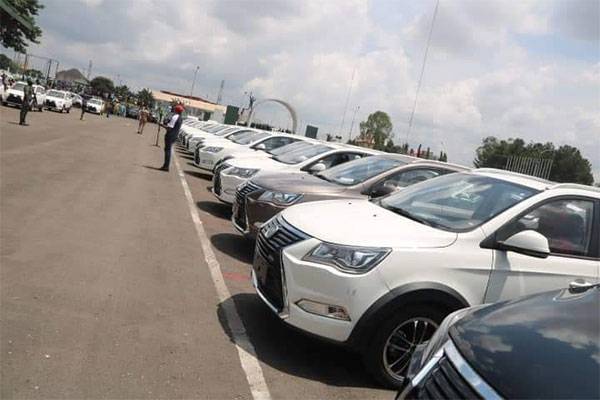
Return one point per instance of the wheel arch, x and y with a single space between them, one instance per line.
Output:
412 293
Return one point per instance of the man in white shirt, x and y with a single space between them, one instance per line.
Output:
172 127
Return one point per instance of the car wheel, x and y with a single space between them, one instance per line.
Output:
388 356
68 110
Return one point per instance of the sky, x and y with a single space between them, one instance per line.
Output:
528 69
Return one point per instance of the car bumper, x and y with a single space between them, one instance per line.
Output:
229 184
208 160
257 213
306 281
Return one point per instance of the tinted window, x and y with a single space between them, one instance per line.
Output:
55 93
253 137
18 86
457 202
276 142
567 224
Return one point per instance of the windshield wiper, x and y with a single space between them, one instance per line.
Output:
409 215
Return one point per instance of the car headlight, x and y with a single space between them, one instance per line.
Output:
213 149
280 198
350 259
242 172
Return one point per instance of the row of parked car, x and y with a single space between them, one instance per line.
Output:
50 99
399 258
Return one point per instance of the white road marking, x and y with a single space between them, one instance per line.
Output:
246 352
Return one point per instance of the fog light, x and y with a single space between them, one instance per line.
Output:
324 310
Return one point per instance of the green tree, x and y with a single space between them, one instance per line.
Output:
380 126
17 31
8 64
570 166
101 85
568 163
145 97
123 92
34 73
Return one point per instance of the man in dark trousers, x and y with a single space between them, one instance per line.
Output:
27 100
172 127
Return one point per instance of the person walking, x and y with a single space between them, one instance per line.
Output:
26 103
143 118
172 127
83 106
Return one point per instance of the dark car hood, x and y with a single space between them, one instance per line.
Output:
299 182
541 346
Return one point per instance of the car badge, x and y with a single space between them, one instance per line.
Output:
271 229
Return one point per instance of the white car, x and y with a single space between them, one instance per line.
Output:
199 129
14 95
94 105
76 99
212 153
58 100
220 134
381 276
313 159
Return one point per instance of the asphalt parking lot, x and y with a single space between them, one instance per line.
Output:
105 289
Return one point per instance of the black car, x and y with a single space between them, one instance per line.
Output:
133 112
540 346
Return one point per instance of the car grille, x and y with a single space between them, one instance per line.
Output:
217 177
50 103
445 382
13 98
269 249
240 199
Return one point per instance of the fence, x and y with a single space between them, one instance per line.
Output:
540 167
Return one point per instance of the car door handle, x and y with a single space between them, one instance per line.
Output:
579 285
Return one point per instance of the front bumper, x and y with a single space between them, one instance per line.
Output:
229 184
302 280
207 160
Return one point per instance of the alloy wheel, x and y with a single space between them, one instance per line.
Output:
402 342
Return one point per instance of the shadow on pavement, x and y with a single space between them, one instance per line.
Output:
198 175
215 209
236 246
292 352
186 156
153 168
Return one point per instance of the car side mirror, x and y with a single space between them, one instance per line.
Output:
260 146
318 167
528 242
385 189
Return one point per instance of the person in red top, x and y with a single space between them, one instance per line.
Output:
172 127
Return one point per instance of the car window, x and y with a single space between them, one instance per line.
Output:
18 86
39 90
226 131
566 223
338 158
273 143
457 202
56 93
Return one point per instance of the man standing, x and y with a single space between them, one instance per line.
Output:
27 100
83 107
172 128
143 118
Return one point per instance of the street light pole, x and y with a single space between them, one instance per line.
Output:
194 81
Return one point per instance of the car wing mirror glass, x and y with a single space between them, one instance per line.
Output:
260 146
383 190
528 242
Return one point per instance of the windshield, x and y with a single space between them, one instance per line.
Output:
240 135
94 101
457 202
226 131
358 171
215 128
289 147
296 157
18 86
253 137
56 93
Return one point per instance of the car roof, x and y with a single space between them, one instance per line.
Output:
456 167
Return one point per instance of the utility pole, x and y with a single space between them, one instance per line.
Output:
352 123
89 71
194 81
220 96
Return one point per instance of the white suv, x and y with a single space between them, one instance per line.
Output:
381 276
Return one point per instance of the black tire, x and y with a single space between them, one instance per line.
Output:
68 110
378 350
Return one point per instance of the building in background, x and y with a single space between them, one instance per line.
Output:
194 105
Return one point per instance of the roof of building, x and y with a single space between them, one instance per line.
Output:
188 101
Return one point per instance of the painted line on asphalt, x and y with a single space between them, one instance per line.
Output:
246 352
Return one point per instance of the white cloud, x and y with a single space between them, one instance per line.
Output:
483 77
